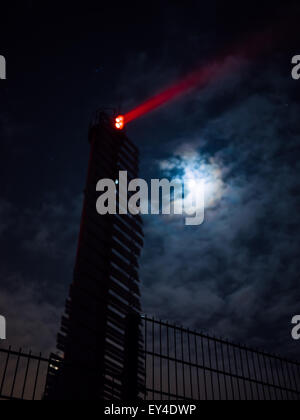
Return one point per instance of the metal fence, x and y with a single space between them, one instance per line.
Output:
185 365
22 375
179 364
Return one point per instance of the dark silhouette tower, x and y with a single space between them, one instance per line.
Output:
100 334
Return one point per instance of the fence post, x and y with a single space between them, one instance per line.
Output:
130 385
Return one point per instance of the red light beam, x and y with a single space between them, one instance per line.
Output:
216 69
196 79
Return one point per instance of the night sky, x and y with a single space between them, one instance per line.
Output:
237 275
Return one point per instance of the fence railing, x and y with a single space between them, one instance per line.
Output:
179 364
22 375
185 365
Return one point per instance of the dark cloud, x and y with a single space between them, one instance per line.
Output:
31 319
38 249
238 274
